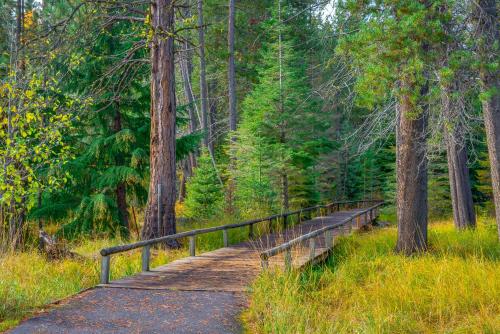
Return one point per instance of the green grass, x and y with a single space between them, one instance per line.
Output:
366 288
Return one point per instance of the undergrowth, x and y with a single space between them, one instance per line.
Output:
366 288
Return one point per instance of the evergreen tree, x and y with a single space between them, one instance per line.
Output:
280 133
204 196
110 170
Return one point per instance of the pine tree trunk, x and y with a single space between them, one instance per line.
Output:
160 209
121 201
186 78
186 174
461 194
186 66
121 188
231 70
458 172
486 18
203 79
212 115
186 71
285 206
411 179
19 23
212 119
231 79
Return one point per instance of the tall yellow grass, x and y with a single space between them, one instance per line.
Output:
366 288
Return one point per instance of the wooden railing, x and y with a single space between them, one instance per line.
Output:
146 244
369 214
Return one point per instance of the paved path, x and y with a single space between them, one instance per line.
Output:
202 294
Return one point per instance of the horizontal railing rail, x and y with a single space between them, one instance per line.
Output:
146 244
370 214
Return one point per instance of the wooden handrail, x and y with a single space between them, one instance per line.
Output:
146 244
265 255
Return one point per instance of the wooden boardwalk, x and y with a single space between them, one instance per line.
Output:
200 294
231 268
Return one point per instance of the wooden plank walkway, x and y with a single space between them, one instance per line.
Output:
201 294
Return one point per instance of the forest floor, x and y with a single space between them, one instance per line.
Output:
366 288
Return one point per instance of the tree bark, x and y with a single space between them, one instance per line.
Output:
186 72
19 23
203 79
160 209
461 194
231 80
231 70
411 178
186 78
186 66
486 20
186 174
212 115
458 172
285 206
212 119
121 188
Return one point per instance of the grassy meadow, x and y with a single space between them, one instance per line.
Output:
366 288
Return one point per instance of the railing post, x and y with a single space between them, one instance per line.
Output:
288 259
285 222
105 262
264 262
312 248
351 221
225 238
250 231
192 245
146 254
271 227
366 218
338 207
329 239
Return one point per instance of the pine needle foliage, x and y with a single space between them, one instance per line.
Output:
204 198
281 133
113 144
